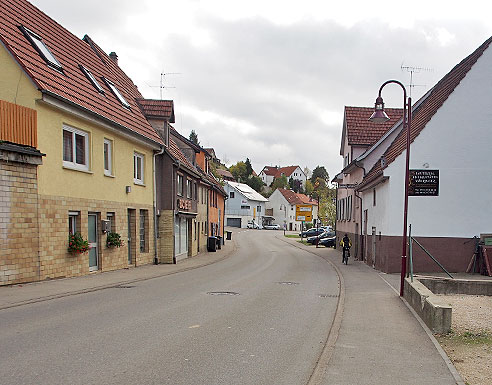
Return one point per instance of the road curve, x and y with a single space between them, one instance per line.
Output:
261 316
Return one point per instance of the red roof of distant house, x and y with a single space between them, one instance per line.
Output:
361 131
71 84
279 171
296 198
226 174
424 110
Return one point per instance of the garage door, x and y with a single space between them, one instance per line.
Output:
234 222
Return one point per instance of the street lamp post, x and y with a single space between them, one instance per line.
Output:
379 116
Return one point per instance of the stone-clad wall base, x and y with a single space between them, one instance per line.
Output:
19 259
57 262
165 241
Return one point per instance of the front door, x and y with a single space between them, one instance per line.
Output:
93 252
131 236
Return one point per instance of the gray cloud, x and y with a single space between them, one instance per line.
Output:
282 80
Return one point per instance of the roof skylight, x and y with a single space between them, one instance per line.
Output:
92 79
117 93
38 43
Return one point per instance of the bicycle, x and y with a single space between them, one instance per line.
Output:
346 256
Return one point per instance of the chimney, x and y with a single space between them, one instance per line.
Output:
114 57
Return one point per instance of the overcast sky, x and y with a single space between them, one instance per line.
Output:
269 79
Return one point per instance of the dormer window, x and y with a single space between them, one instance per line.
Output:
38 43
117 93
91 78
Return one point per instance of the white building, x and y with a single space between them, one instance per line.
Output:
269 173
243 205
283 203
451 139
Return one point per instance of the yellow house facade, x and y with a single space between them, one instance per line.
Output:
97 173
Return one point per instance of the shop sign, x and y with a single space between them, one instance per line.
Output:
424 183
184 204
304 213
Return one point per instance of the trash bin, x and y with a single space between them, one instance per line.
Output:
212 244
229 235
219 242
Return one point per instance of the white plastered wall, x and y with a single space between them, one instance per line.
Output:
457 141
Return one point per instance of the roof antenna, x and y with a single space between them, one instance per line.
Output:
413 70
161 83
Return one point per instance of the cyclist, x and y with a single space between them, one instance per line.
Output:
346 245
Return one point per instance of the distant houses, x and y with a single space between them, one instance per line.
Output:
284 204
243 205
269 173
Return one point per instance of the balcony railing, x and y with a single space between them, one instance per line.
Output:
18 124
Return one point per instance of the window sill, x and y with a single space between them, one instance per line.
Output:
109 175
139 183
76 169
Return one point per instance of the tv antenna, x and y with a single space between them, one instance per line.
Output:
161 83
413 70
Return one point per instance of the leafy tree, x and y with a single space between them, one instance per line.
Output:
320 173
291 183
327 208
255 183
194 137
280 182
238 170
309 187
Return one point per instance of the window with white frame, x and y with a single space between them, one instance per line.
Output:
138 168
108 157
75 148
73 222
180 184
189 186
231 195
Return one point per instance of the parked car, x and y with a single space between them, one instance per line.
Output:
323 235
272 227
311 232
254 225
328 241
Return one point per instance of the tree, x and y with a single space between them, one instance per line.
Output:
194 137
249 169
255 183
280 182
309 188
238 170
321 173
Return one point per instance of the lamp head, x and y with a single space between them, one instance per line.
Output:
379 116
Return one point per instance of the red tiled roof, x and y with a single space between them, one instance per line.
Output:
361 131
278 171
71 84
424 110
153 108
296 198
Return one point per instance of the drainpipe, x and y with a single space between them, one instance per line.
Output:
161 151
362 245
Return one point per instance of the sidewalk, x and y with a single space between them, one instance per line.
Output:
379 340
21 294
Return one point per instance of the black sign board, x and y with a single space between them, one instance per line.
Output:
424 183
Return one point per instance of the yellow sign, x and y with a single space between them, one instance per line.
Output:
304 213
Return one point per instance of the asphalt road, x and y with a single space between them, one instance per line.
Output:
259 317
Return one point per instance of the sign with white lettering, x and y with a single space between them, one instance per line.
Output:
424 183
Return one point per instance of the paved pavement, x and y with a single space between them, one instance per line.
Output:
17 295
376 339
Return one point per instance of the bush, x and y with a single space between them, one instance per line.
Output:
114 240
77 244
